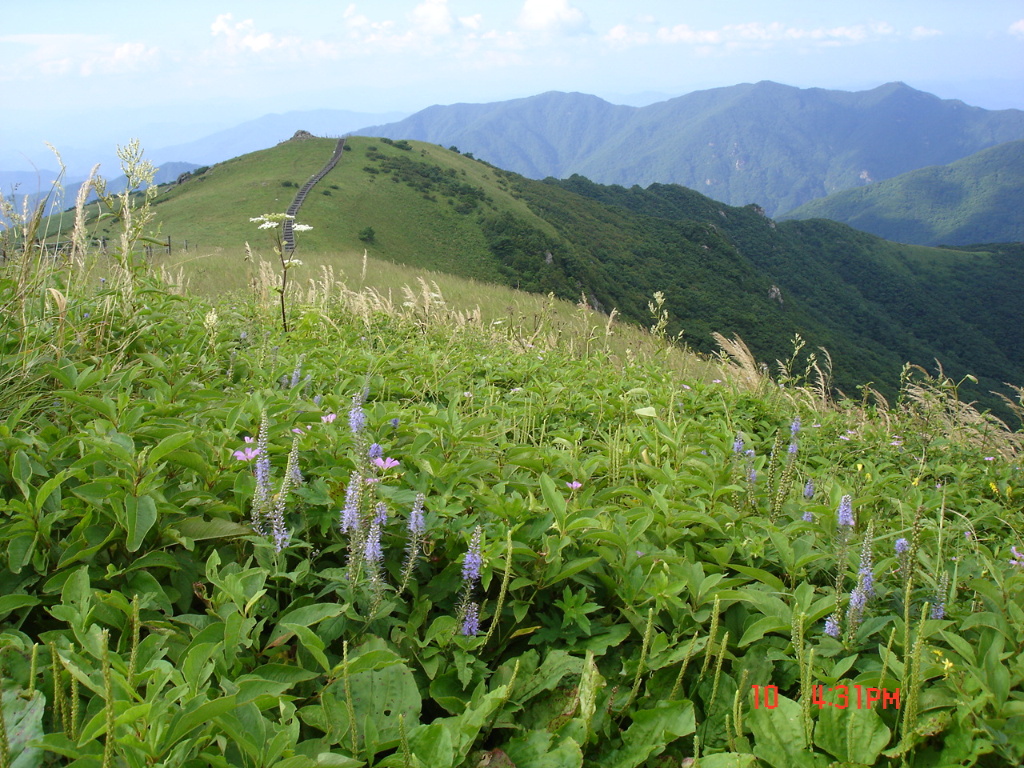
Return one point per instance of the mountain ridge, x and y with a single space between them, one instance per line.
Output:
979 198
765 143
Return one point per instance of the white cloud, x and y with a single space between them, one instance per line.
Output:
85 55
622 36
432 17
683 33
761 35
123 58
1017 28
242 35
920 33
555 16
241 38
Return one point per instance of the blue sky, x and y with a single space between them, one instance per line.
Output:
83 72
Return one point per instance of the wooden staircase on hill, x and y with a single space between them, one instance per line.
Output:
288 233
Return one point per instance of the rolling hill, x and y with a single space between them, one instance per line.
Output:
764 143
873 304
979 199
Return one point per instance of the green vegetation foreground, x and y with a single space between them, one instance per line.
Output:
404 538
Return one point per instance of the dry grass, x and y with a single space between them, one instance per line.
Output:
933 405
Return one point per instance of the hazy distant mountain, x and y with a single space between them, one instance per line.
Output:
770 144
265 132
979 199
25 182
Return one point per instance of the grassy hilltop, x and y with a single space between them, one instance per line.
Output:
874 305
403 535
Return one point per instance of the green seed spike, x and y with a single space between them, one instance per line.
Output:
709 649
641 665
686 663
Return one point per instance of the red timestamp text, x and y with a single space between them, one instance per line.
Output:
837 696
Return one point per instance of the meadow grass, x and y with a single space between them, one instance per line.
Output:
442 524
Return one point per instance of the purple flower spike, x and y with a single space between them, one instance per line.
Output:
832 627
901 546
471 623
357 416
845 511
373 552
350 512
417 525
473 560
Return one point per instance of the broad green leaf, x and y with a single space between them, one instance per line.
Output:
10 603
383 696
21 471
198 529
553 498
331 760
853 735
728 760
432 744
779 736
572 568
761 627
373 660
766 578
166 446
306 616
540 749
140 516
194 716
23 719
651 731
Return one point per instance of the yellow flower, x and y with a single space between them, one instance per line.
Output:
994 487
915 481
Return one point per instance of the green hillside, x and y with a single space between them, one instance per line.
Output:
874 305
979 199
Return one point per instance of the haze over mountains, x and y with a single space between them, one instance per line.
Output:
773 145
795 153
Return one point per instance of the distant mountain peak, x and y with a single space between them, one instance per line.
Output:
767 143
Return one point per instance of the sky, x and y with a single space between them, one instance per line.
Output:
85 74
